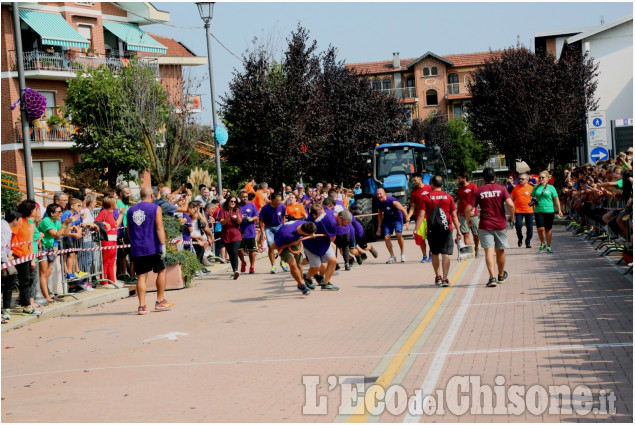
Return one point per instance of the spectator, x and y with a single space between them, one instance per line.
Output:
21 240
294 210
204 196
111 219
53 229
68 242
9 276
123 203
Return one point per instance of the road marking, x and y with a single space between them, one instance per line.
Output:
430 381
172 336
361 414
554 300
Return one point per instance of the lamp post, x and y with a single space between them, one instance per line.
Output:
206 10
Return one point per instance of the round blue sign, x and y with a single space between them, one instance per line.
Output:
597 122
221 135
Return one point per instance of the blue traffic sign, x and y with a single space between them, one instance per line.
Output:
599 154
597 122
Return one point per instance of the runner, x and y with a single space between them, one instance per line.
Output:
147 247
521 195
492 199
389 220
287 242
248 229
271 218
466 192
416 200
439 228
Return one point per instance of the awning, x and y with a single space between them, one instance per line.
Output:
53 29
135 38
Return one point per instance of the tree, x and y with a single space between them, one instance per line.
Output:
531 107
466 152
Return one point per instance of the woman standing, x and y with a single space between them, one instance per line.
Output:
112 220
9 276
230 218
52 229
22 241
544 212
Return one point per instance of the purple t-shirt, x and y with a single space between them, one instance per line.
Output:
186 232
391 214
142 229
287 233
248 228
326 224
357 230
271 216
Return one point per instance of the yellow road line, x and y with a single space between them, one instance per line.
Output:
361 414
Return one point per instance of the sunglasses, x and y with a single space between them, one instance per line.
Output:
542 178
232 201
522 179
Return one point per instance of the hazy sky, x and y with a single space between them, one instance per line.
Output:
365 32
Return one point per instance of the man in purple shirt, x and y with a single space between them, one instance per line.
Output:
287 242
248 230
271 218
390 219
342 239
147 248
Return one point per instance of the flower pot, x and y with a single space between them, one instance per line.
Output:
174 279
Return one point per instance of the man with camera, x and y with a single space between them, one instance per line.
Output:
524 209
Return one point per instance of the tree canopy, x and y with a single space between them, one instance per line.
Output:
533 107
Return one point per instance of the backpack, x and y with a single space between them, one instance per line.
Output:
438 221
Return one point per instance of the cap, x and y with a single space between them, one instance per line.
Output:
299 185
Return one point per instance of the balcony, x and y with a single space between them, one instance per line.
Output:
53 66
454 88
48 136
401 93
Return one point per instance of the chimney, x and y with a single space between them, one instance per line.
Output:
396 63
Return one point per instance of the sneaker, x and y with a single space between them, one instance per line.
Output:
520 242
503 278
252 270
476 254
492 282
549 250
31 311
163 305
351 261
304 289
429 257
541 249
123 277
87 287
391 260
364 257
373 251
81 274
205 271
107 285
70 276
142 310
75 289
438 280
424 259
528 246
5 314
403 258
243 267
236 274
359 259
273 270
347 267
308 282
445 283
330 287
319 279
337 267
285 267
133 280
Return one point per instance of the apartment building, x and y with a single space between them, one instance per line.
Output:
59 39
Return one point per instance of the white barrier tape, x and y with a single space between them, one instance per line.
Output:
58 252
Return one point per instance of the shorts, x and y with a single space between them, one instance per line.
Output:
352 242
68 243
147 263
270 233
342 241
248 244
441 243
49 256
286 253
493 238
467 229
544 220
316 260
391 226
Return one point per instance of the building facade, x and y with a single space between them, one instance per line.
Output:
59 39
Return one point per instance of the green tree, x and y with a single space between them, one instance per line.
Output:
466 152
11 193
533 107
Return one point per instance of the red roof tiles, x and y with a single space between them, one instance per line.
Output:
174 47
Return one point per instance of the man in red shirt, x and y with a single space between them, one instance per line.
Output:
416 198
466 192
440 240
492 228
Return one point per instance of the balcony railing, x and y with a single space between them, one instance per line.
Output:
401 93
52 133
454 88
42 61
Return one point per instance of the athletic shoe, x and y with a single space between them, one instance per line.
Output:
133 280
252 270
347 267
5 314
163 305
391 260
476 254
528 246
438 280
285 267
31 311
308 282
87 287
75 289
303 288
243 267
364 257
142 310
319 279
81 274
541 249
520 242
351 261
403 258
445 283
70 276
359 259
205 271
236 274
330 287
503 278
424 259
429 257
374 252
337 267
124 277
273 270
549 250
492 282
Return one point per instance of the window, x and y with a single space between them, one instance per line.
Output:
87 32
431 97
457 110
386 84
434 70
426 72
50 103
453 78
376 85
410 82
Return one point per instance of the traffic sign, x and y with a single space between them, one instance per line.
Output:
599 154
597 122
597 119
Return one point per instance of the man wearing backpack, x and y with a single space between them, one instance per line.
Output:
492 227
440 210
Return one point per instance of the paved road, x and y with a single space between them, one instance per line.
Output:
239 351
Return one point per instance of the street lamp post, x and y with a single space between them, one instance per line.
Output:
206 10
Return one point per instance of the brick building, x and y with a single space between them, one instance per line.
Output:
60 38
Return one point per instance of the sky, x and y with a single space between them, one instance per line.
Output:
369 31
